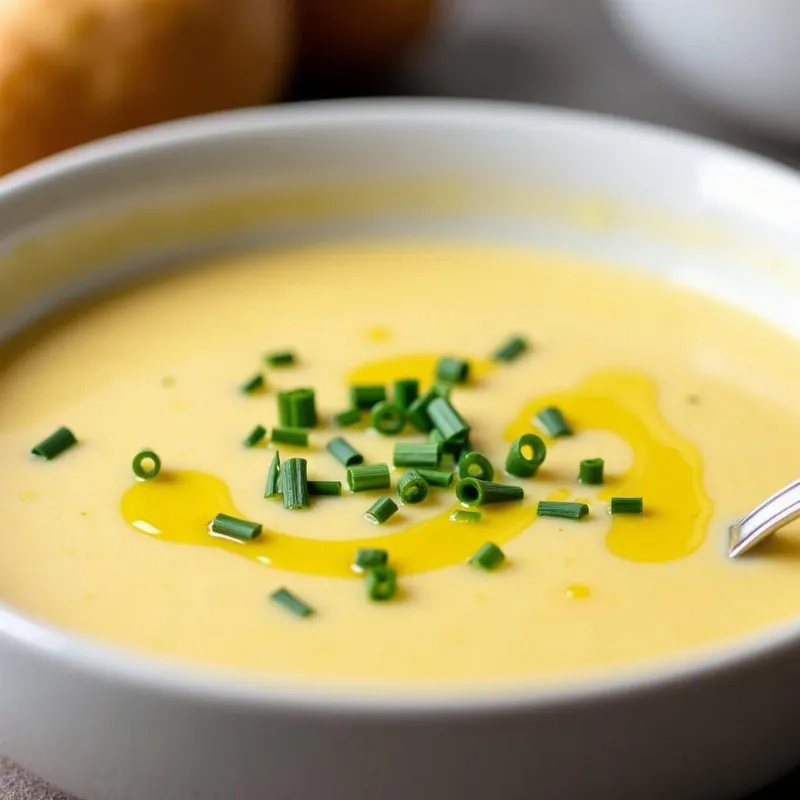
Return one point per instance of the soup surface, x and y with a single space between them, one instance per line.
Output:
687 402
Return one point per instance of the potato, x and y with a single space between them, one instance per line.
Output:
343 36
75 70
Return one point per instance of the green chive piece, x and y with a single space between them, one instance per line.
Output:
304 408
548 508
252 385
280 358
443 389
406 391
489 557
475 465
447 420
325 488
368 557
255 436
521 465
55 444
383 508
407 454
412 487
452 370
510 349
363 477
387 418
295 436
590 471
273 487
474 492
381 582
295 483
141 459
365 396
417 412
346 419
344 452
437 477
436 437
626 505
553 423
297 408
234 528
461 515
291 602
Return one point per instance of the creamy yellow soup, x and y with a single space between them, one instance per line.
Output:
686 400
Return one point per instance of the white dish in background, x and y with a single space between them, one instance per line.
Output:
105 723
739 57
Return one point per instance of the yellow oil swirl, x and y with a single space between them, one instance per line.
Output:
178 506
666 468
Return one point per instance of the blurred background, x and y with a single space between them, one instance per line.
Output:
75 70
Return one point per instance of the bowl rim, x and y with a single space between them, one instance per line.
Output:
138 670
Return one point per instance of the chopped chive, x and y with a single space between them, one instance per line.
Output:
363 477
255 436
55 444
366 395
304 408
412 487
489 557
474 492
461 515
387 418
452 370
518 463
510 349
437 477
252 385
297 408
273 487
553 423
295 483
295 436
234 528
280 358
343 452
443 389
407 454
436 437
368 557
325 488
417 412
548 508
291 602
346 419
447 420
626 505
383 508
406 391
381 582
590 471
475 465
143 472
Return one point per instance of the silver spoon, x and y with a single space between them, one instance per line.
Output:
775 512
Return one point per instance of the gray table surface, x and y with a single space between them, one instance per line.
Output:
558 52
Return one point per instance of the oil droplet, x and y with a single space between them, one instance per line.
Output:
379 334
27 495
578 591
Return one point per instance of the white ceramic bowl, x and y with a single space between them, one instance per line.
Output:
107 724
739 56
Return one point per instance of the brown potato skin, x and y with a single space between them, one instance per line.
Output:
76 70
343 36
